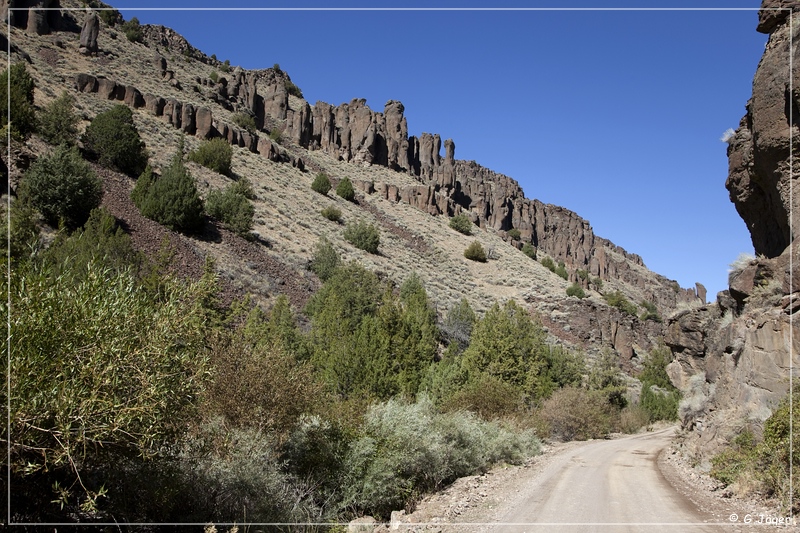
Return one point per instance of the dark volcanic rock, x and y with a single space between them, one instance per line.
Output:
89 34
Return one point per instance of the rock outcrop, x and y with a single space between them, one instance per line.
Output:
732 357
758 154
89 34
35 16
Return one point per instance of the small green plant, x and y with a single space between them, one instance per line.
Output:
321 184
651 312
58 123
582 274
618 300
576 290
22 121
475 252
529 250
363 236
63 187
226 66
244 120
112 137
597 282
215 154
293 89
232 207
325 259
462 224
548 264
561 270
171 199
332 213
276 135
214 76
110 16
133 30
515 234
345 189
277 68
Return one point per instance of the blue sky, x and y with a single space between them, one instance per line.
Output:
616 115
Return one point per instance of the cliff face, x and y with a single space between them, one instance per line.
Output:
732 358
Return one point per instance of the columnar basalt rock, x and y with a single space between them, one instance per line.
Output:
758 154
89 33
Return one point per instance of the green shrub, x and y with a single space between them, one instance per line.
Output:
409 449
458 323
244 120
548 264
325 260
475 252
293 89
226 66
576 290
215 154
529 250
110 16
561 270
22 121
231 207
363 236
597 282
321 184
63 187
574 413
112 137
57 123
19 234
332 213
214 76
116 367
171 199
345 189
651 311
618 300
133 30
515 234
582 274
276 135
462 224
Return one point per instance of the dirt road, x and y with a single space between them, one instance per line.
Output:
607 486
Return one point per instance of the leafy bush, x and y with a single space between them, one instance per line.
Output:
345 189
475 252
363 236
561 270
244 120
332 213
576 290
325 259
215 154
57 123
410 449
116 368
112 137
63 187
226 66
458 323
231 207
20 101
133 30
276 135
293 89
651 312
515 234
19 234
597 282
578 414
171 199
618 300
462 224
214 76
529 250
548 264
321 184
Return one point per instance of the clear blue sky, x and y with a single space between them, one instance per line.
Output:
616 115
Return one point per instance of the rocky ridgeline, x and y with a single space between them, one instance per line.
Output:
732 357
353 132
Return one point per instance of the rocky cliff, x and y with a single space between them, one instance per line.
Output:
733 357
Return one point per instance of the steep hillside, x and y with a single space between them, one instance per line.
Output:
733 357
405 185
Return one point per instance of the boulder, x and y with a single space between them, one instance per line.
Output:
108 89
89 34
133 98
85 83
188 124
364 524
204 122
154 104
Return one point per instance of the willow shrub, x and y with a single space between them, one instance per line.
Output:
98 366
